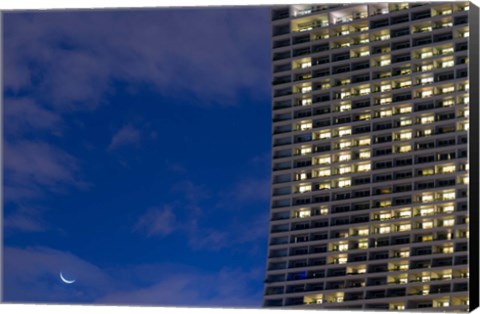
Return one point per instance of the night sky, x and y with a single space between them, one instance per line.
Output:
137 156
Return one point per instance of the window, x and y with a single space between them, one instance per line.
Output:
405 136
344 183
404 227
305 188
343 247
405 148
305 65
385 113
385 229
447 64
447 196
427 211
405 84
344 145
363 232
427 198
385 87
303 213
363 142
448 209
363 244
365 91
384 62
405 109
427 225
306 89
405 121
426 93
447 169
449 89
405 214
427 119
363 168
364 155
344 157
324 211
427 54
325 134
306 102
426 80
345 107
305 126
346 169
448 222
426 67
324 172
384 101
305 150
345 132
324 160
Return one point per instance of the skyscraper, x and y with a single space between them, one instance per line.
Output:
370 157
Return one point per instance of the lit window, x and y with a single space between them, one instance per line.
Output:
448 222
326 134
426 67
446 196
385 113
405 214
427 225
447 64
363 232
306 89
428 172
344 145
427 132
363 142
305 126
324 211
324 160
364 116
385 62
344 95
306 102
405 148
404 227
323 186
344 157
385 87
304 188
385 216
384 101
346 169
448 209
427 54
343 247
364 53
427 119
405 136
364 155
447 169
304 213
385 203
426 278
426 80
344 183
427 198
324 172
363 168
425 291
405 109
363 244
406 121
466 113
345 107
449 89
465 126
466 34
426 93
384 229
345 132
365 91
427 211
447 50
342 260
466 100
305 150
405 84
306 65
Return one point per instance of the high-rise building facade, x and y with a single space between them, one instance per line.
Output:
370 157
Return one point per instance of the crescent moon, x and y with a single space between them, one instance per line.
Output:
66 280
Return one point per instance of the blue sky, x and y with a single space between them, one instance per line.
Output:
137 156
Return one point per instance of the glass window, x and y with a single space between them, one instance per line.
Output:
363 168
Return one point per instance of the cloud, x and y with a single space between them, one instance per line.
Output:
24 219
127 135
221 52
33 167
252 189
32 275
25 116
157 221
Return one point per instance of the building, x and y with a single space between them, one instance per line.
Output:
370 178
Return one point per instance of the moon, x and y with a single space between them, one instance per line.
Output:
66 280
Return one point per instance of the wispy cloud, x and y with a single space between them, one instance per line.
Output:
127 135
157 222
32 167
24 219
32 275
84 52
